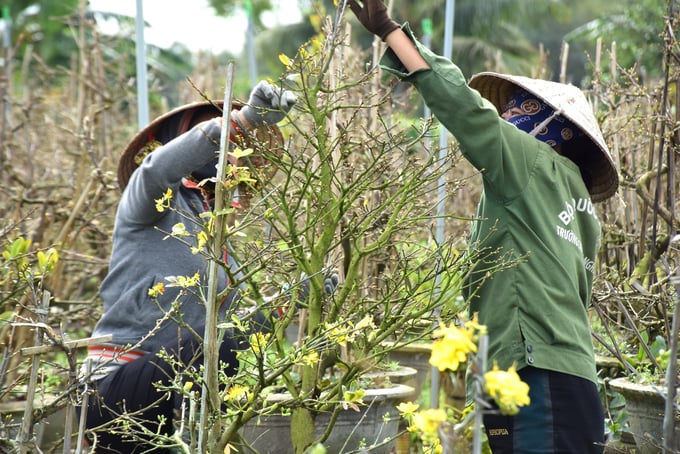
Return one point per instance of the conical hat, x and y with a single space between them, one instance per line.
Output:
594 157
176 122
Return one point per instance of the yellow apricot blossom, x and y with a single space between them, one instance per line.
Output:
407 409
179 230
424 424
310 358
157 290
475 326
238 392
427 421
451 347
164 201
201 241
507 389
258 342
341 334
184 281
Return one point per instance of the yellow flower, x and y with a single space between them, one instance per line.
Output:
341 334
473 325
238 392
179 229
201 241
426 421
258 342
164 201
310 358
156 290
452 347
184 281
507 389
407 409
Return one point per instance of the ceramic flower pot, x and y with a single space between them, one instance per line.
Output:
417 356
374 426
645 407
46 432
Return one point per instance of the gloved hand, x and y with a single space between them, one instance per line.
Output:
267 104
373 16
301 291
329 285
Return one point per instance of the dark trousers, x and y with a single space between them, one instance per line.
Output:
138 387
565 416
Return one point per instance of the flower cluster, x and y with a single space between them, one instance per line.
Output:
453 345
506 389
424 423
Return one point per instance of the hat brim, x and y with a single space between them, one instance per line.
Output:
592 155
264 140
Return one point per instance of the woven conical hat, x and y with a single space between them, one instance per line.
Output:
594 156
265 139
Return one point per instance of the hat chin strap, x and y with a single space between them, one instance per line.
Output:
545 123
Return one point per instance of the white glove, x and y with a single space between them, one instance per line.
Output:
267 104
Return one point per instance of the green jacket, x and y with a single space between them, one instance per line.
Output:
535 208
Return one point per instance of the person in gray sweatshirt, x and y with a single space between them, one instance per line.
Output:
141 311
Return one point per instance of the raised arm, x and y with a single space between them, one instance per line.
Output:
374 17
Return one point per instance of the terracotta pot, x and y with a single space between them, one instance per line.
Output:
645 408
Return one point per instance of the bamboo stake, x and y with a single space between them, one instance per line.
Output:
83 414
210 396
335 75
5 90
668 433
598 74
564 56
482 350
672 370
68 345
25 433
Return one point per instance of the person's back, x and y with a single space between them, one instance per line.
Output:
166 173
543 162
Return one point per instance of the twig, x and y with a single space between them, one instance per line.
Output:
631 323
614 349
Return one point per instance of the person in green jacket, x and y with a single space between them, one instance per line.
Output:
544 163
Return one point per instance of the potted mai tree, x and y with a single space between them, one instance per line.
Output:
354 194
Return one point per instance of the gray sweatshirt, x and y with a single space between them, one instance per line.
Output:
143 254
